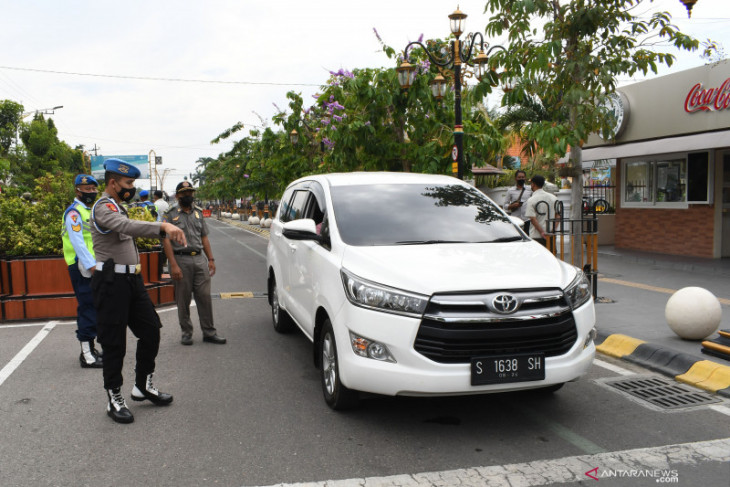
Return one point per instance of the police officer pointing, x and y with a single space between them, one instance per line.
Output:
120 298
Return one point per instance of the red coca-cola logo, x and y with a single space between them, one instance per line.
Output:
708 100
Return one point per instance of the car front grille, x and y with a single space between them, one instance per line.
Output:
458 327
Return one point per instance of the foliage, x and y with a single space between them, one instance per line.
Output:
565 70
142 214
33 226
360 121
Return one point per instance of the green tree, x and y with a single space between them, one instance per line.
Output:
573 62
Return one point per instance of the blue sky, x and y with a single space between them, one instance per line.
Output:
266 48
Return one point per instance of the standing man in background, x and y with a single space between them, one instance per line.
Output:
78 251
517 196
190 272
160 204
540 209
120 297
146 204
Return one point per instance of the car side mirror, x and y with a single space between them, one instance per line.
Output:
303 229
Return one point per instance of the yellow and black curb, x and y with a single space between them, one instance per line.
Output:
704 374
264 232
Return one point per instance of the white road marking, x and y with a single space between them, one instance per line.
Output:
43 323
613 368
25 351
652 461
720 409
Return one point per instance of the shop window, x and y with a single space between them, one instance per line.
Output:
666 182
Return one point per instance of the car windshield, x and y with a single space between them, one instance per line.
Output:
418 214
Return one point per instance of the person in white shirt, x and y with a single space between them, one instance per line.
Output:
517 196
539 209
161 205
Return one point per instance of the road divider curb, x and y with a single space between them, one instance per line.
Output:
704 374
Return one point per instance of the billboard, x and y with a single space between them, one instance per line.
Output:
140 162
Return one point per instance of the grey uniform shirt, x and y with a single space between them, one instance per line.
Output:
193 224
113 233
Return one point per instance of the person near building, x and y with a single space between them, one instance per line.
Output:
190 271
160 203
539 209
78 251
517 196
120 297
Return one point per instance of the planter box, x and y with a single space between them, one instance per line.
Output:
35 288
606 229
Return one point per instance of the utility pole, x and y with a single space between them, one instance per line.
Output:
95 149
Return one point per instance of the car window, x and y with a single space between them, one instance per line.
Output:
294 209
411 214
284 210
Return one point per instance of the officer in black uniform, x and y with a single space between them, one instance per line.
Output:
120 297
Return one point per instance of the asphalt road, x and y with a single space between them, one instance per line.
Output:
251 413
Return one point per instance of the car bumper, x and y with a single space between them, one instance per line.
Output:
415 375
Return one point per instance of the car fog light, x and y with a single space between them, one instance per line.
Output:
370 349
590 338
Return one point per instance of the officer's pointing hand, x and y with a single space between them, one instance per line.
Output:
174 233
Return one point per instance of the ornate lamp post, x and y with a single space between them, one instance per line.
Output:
460 54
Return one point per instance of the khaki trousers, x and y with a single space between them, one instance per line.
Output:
195 282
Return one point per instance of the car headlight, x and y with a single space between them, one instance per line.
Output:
579 291
368 294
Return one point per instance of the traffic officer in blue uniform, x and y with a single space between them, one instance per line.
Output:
120 297
78 252
146 204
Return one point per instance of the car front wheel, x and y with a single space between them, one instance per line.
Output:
336 395
281 319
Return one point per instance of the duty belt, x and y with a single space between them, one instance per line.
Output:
122 269
186 252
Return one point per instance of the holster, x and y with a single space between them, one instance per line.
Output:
107 271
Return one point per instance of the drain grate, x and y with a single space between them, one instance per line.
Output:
662 392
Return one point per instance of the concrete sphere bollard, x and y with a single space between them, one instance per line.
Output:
236 216
266 223
254 220
693 313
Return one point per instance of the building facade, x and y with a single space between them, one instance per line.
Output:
672 159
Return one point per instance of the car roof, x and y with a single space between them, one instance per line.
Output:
359 178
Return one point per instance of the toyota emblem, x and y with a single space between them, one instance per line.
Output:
505 304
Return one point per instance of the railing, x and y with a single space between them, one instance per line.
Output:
602 197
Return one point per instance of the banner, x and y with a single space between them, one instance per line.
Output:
140 162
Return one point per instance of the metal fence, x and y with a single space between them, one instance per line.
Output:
602 199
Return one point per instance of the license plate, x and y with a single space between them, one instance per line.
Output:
507 368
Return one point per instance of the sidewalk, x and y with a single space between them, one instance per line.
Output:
634 288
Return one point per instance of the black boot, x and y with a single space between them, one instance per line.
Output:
88 359
117 407
144 389
99 352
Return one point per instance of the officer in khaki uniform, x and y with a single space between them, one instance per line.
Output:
120 297
191 272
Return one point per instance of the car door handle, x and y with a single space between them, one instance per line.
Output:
292 247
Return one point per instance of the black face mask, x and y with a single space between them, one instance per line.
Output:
87 198
186 201
126 194
520 182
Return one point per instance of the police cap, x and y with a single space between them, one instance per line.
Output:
85 179
123 168
144 193
184 186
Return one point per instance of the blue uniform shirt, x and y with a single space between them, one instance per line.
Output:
77 238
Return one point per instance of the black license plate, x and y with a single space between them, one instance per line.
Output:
507 368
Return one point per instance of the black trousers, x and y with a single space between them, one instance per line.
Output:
121 301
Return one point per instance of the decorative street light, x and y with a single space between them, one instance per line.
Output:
459 54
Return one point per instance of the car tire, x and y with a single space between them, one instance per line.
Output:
336 395
279 317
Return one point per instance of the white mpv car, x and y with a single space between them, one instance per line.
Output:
419 285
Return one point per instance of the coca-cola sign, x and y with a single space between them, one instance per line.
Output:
708 99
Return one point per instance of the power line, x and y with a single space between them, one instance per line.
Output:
148 78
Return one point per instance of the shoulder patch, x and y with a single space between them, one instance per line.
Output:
112 207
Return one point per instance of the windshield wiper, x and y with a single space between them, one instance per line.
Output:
428 242
505 239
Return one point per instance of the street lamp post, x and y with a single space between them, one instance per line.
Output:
458 56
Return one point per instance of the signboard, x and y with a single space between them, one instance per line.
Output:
140 162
